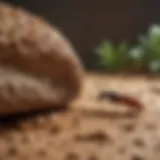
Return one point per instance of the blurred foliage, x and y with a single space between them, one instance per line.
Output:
112 57
144 56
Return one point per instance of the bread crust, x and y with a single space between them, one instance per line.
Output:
37 61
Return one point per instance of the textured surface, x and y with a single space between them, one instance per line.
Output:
91 130
34 57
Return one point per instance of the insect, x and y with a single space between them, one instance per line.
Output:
120 98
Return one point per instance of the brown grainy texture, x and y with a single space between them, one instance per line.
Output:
31 137
38 66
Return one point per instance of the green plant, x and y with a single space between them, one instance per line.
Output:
112 57
150 49
145 56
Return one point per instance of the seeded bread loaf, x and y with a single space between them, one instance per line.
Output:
38 65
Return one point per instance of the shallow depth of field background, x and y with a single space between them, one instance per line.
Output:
88 23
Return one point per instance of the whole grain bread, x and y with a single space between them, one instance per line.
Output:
38 65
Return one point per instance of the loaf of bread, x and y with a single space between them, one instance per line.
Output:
38 66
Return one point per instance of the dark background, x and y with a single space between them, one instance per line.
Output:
87 23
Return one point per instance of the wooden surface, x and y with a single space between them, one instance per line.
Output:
91 129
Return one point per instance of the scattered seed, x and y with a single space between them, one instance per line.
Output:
128 127
92 157
139 142
137 157
72 156
55 129
94 137
12 151
42 153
